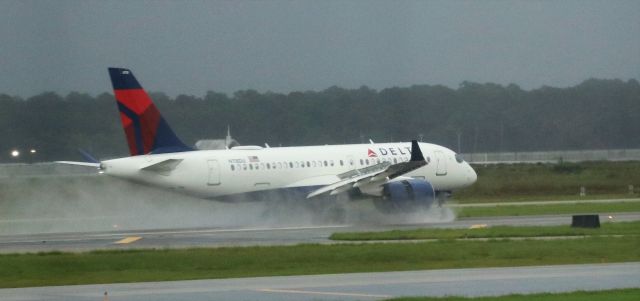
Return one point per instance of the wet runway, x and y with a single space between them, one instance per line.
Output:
358 286
218 237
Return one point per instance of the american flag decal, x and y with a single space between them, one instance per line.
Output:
254 159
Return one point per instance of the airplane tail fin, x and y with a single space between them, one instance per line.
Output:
146 130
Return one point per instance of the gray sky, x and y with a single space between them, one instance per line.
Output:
189 47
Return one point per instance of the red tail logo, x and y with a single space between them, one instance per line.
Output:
145 129
371 153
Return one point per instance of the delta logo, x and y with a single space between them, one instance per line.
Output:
371 153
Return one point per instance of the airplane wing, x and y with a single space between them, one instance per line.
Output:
90 160
379 173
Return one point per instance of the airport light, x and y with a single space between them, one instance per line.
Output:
33 151
15 153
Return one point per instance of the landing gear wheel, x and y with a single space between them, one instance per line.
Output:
442 197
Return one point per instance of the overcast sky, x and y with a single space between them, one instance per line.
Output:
189 47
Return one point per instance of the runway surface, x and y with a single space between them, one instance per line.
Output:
218 237
360 286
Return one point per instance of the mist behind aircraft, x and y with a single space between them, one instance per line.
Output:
56 204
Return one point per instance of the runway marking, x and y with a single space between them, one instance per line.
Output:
214 231
128 240
478 226
605 201
269 290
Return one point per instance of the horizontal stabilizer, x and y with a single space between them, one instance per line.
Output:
163 167
87 156
88 164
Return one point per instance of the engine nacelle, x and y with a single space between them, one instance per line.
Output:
406 196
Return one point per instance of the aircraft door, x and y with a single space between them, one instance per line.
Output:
441 163
214 172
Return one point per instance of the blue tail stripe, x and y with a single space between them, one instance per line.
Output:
166 140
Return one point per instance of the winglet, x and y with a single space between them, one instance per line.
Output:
87 156
416 153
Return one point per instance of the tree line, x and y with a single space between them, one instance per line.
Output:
473 117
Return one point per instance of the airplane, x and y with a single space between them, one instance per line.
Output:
398 177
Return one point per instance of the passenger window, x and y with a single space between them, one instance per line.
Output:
367 160
361 162
251 166
314 163
331 162
341 163
308 164
268 166
244 166
233 167
395 161
290 165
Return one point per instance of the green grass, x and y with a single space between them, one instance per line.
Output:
513 182
577 208
539 197
605 295
626 228
23 270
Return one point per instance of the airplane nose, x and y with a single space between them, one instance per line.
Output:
472 176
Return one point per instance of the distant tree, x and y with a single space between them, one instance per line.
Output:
596 113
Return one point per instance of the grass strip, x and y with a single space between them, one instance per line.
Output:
605 295
539 198
520 210
56 268
512 181
623 228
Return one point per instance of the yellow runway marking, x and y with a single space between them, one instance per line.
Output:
480 226
128 240
268 290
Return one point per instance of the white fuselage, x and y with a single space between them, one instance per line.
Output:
213 173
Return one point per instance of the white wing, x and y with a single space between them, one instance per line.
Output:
378 174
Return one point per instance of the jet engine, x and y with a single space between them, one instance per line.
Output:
406 196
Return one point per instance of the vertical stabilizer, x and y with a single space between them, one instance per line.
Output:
146 130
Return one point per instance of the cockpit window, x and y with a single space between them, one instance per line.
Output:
459 158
